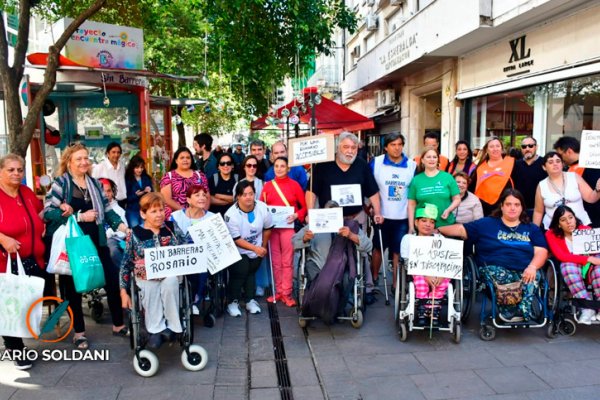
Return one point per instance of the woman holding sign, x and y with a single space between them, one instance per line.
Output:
249 223
426 287
283 191
508 248
159 298
574 268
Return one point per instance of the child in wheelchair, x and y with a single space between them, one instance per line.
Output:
158 298
429 290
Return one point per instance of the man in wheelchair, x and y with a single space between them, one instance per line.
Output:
509 250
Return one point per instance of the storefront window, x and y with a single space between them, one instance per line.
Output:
546 111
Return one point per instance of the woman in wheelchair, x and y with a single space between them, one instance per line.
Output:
508 248
159 298
574 268
426 287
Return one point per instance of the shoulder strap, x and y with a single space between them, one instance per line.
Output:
216 179
276 186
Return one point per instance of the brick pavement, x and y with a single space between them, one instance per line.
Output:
336 362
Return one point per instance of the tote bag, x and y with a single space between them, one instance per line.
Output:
17 294
59 260
87 270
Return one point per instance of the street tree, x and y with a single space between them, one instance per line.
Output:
20 130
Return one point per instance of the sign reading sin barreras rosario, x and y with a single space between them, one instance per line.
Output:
100 45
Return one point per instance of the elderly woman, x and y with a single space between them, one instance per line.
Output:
574 267
562 188
469 208
75 192
508 248
159 297
492 175
250 225
180 177
434 187
21 230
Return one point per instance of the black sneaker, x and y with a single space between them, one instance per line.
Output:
168 335
155 341
23 365
510 316
370 299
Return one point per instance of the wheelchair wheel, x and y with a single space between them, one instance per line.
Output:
194 358
469 283
553 292
397 296
456 331
357 318
402 331
487 333
302 322
567 327
96 311
145 363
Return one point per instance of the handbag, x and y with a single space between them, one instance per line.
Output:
509 294
17 293
88 273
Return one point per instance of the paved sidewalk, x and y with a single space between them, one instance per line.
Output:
336 362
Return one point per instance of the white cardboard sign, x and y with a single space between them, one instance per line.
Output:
220 250
435 256
325 220
589 156
162 262
311 150
586 241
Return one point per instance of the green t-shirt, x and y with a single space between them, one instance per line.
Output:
437 190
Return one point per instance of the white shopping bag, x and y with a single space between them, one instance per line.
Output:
59 260
17 294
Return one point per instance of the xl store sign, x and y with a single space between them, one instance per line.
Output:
520 59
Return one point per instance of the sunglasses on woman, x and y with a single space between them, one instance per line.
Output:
226 163
251 165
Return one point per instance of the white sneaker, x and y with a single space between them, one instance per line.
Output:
597 317
233 309
195 310
586 316
253 307
260 291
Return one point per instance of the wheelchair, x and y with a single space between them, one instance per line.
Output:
352 293
214 302
544 306
94 302
194 357
406 305
567 316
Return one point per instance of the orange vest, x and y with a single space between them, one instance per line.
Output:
577 169
491 182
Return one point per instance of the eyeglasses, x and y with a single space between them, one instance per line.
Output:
251 165
226 163
530 146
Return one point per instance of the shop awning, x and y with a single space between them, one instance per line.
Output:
331 117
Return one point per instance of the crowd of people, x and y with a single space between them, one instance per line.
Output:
500 204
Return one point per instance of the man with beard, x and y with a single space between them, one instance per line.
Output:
528 172
347 169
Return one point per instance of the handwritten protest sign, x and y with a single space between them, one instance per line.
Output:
162 262
311 150
219 249
586 241
589 156
435 256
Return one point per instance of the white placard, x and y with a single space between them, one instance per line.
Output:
586 241
346 195
325 220
220 250
279 215
435 256
311 150
589 156
162 262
